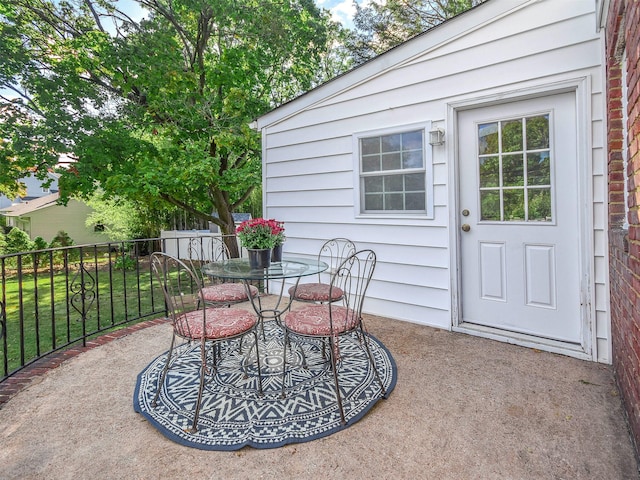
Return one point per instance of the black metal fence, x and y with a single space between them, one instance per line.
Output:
56 298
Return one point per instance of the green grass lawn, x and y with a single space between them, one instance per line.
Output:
45 312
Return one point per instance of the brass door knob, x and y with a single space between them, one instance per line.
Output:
466 227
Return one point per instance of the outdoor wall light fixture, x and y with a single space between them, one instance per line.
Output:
436 136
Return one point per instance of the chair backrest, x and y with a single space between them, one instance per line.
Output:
181 288
206 249
353 276
334 252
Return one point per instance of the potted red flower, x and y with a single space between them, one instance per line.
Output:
259 236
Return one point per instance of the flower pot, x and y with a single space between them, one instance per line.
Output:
276 253
259 258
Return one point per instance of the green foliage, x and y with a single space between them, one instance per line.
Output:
3 243
380 26
62 239
122 219
18 241
155 112
40 243
124 262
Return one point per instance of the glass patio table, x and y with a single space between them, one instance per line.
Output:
289 268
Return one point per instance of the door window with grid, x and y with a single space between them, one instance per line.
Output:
515 165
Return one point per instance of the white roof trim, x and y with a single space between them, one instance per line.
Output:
456 27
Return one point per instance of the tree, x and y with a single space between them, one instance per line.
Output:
156 110
380 26
125 219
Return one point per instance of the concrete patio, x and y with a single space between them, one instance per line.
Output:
463 408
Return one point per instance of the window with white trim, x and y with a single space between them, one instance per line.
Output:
395 172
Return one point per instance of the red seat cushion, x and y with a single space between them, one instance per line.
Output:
315 292
314 320
221 323
227 293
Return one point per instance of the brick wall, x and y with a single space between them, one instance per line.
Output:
623 31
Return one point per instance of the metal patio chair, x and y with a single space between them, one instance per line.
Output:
329 321
216 293
333 252
194 321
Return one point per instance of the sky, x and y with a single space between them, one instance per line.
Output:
341 10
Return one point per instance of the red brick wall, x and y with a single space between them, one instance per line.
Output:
624 244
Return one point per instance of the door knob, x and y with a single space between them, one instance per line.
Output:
466 227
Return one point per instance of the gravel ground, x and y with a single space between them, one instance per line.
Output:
463 408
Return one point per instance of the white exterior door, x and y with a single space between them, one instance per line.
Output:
519 219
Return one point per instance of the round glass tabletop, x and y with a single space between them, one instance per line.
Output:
239 269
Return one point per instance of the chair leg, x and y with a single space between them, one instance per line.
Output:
334 366
372 360
196 414
163 375
255 334
284 362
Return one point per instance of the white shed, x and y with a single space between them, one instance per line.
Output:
498 230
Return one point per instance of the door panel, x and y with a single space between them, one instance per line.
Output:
519 243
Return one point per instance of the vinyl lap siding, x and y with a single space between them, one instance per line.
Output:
308 149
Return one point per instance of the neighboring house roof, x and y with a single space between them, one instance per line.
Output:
25 208
403 54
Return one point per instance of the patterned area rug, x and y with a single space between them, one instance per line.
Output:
234 415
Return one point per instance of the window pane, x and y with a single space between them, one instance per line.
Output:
415 201
512 170
382 160
373 184
513 205
370 145
489 172
412 140
391 143
391 161
373 202
393 183
414 182
488 138
512 136
537 132
540 205
393 201
371 163
490 205
412 159
538 168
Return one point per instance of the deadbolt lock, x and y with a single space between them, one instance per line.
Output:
465 213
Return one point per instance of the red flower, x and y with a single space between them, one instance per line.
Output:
260 233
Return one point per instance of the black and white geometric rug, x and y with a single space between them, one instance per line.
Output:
234 415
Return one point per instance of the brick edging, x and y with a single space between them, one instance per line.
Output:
20 380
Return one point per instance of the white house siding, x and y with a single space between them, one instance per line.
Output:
500 48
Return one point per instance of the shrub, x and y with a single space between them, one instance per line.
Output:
40 243
62 239
18 241
124 262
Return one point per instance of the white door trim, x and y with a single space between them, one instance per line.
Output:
581 87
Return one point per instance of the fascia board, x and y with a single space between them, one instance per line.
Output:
448 31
